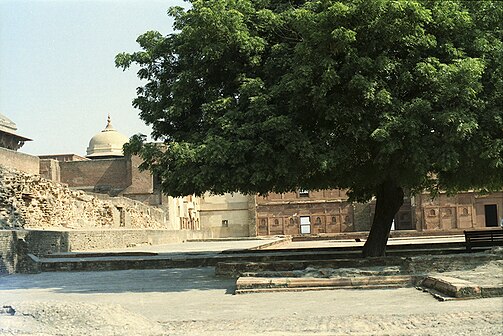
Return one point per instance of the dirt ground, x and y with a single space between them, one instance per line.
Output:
195 302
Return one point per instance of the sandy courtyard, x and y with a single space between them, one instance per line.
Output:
195 302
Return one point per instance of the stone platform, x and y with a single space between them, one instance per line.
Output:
229 262
259 267
446 277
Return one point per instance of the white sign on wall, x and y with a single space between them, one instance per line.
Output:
305 225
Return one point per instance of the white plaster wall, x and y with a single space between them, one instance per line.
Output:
231 207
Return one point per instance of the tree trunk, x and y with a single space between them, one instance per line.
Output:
389 199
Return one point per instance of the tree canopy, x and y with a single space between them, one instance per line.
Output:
265 95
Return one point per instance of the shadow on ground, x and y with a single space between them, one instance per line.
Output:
131 281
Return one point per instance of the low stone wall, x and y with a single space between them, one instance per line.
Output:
6 253
20 161
110 239
14 254
16 244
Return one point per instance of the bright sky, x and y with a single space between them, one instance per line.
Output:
58 81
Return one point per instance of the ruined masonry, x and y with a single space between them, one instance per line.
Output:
31 202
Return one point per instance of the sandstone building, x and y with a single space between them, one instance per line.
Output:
106 170
61 203
228 215
326 212
10 142
465 210
8 137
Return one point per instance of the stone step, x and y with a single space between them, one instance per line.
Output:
96 261
330 272
307 289
257 284
99 254
445 287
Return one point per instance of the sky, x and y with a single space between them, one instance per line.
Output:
58 80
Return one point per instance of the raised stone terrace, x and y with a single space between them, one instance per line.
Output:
196 301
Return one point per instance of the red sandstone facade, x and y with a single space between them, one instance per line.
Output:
328 212
466 210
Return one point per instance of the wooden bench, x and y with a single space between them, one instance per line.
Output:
483 238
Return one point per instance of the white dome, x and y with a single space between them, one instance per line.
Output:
107 143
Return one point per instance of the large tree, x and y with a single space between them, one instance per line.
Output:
378 97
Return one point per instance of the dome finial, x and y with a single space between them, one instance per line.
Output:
109 122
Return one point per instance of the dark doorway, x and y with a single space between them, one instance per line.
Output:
491 215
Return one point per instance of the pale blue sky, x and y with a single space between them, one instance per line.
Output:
58 80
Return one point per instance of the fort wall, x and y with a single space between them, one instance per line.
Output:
98 175
16 244
141 181
49 169
20 161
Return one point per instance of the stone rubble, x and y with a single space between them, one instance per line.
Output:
32 202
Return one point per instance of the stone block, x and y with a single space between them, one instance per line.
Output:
454 287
